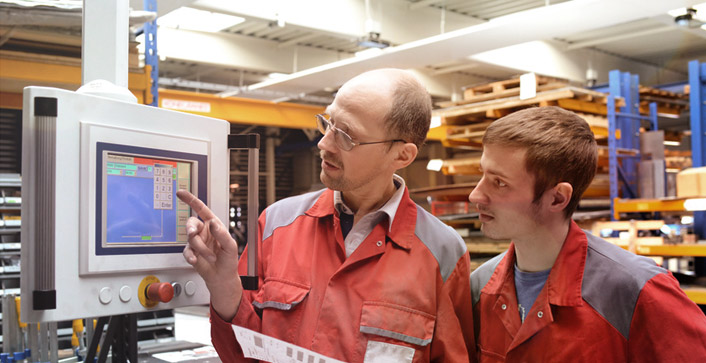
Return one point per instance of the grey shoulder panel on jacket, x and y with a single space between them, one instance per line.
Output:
444 243
285 211
613 279
481 275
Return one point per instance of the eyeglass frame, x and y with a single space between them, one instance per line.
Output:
322 121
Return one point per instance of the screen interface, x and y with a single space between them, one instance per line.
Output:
140 203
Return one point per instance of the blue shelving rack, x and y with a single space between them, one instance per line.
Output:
151 56
628 121
697 103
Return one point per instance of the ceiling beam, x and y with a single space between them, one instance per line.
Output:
422 3
615 38
451 69
546 22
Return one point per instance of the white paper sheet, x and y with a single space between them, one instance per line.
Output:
266 348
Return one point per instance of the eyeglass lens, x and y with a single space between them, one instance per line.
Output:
342 139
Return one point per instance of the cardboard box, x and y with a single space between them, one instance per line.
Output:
691 183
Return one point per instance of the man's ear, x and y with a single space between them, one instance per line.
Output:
405 155
560 196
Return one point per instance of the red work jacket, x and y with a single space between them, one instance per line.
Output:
600 304
405 287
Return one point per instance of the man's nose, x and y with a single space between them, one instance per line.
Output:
477 195
327 142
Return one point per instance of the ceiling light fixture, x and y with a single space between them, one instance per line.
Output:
688 19
200 20
435 164
372 40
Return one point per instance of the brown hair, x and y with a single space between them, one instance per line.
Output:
410 112
560 148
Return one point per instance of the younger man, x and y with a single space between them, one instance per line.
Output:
559 294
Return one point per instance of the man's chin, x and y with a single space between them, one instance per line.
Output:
489 233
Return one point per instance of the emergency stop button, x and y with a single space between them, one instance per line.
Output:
152 291
160 291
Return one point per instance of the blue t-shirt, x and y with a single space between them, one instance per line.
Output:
527 287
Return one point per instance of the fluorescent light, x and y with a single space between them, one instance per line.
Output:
695 204
687 219
200 20
370 52
277 75
665 229
671 143
435 122
435 164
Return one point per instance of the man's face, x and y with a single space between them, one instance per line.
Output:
359 112
504 196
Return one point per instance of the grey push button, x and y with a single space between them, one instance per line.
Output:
190 288
105 296
125 293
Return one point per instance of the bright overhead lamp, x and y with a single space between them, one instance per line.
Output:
687 20
695 204
692 17
200 20
373 41
435 121
435 164
277 75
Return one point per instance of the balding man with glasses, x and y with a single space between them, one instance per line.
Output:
356 271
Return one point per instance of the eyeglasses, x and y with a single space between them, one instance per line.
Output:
343 140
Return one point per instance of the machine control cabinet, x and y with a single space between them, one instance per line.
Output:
104 231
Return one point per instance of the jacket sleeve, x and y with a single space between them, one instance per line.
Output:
666 325
222 335
454 340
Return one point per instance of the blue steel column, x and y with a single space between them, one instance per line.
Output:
630 129
697 101
612 153
151 57
653 116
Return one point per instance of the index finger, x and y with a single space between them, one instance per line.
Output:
196 205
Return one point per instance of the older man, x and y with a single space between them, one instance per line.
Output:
355 271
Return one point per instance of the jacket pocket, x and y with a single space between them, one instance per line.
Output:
280 294
397 322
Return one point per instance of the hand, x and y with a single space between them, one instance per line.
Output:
214 255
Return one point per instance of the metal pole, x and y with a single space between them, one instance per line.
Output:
104 52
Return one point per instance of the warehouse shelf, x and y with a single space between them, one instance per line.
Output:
647 205
696 294
677 250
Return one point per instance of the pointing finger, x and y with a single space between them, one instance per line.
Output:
196 204
221 234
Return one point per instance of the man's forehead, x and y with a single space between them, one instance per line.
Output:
503 160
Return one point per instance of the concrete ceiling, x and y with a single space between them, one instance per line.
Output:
449 43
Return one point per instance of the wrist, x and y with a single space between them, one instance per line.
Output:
226 301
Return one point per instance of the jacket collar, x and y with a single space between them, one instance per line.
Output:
400 232
564 282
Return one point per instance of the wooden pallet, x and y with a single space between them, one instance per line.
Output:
668 103
507 88
633 241
571 98
470 136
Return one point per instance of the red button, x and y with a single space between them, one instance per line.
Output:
161 291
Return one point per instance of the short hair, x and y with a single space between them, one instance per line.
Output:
410 112
560 148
